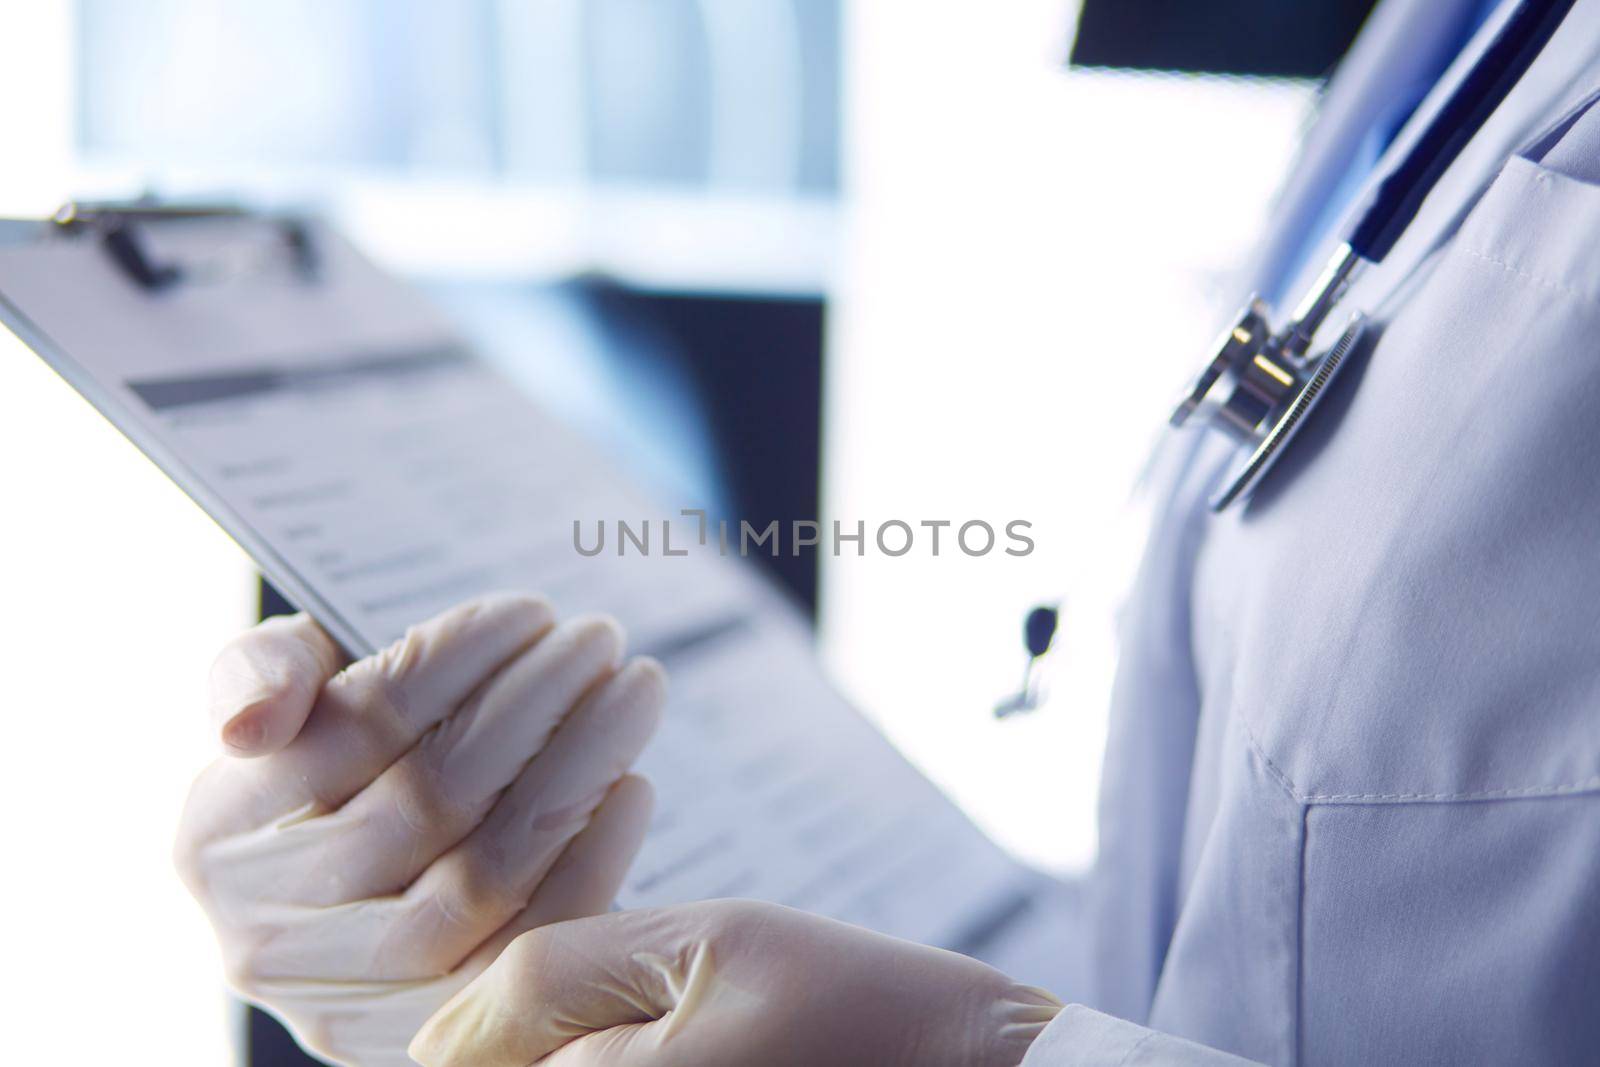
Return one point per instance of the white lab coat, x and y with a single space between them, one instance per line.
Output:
1351 807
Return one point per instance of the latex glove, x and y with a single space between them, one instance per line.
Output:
735 983
416 811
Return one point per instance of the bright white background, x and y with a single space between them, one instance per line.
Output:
1024 264
117 591
1034 259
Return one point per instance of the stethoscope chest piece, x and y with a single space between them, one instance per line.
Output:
1259 387
1285 406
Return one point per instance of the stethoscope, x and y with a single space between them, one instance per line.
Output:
1261 383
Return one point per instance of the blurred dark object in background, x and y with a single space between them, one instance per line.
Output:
754 364
1261 37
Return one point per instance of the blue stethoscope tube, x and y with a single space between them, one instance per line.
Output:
1395 198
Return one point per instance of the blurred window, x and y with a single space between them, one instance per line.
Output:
698 94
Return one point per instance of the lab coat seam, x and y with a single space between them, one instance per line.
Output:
1278 775
1297 1015
1530 792
1531 278
1559 789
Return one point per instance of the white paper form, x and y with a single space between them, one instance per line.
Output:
378 472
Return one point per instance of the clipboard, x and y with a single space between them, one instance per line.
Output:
115 229
378 471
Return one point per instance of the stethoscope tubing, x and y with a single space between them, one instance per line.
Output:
1395 198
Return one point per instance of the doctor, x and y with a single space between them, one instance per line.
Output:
1351 806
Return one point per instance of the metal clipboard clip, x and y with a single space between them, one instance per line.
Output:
119 227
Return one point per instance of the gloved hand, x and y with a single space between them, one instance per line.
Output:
731 983
414 811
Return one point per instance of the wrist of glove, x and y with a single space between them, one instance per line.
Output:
731 983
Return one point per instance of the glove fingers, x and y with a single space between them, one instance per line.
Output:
264 682
551 987
633 1045
364 718
434 795
583 882
377 709
586 878
486 880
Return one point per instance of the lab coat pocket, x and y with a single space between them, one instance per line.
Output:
1540 227
1451 933
1417 613
1540 220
